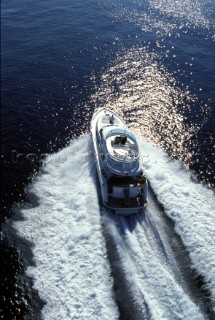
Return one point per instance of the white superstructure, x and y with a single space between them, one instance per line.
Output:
120 171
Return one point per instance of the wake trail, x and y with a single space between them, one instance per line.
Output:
71 272
93 266
189 204
150 273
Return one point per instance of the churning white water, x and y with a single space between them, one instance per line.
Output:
72 272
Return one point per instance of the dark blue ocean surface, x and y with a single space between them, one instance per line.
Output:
153 61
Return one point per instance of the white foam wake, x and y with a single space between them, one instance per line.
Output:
72 273
150 273
191 206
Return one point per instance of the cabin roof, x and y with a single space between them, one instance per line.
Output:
112 131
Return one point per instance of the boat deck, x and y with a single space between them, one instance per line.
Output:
129 186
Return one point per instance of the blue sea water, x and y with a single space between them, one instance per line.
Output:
61 59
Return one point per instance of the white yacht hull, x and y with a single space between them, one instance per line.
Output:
118 164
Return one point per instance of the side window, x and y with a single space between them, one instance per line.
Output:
97 136
100 131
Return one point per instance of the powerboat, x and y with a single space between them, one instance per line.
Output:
123 185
